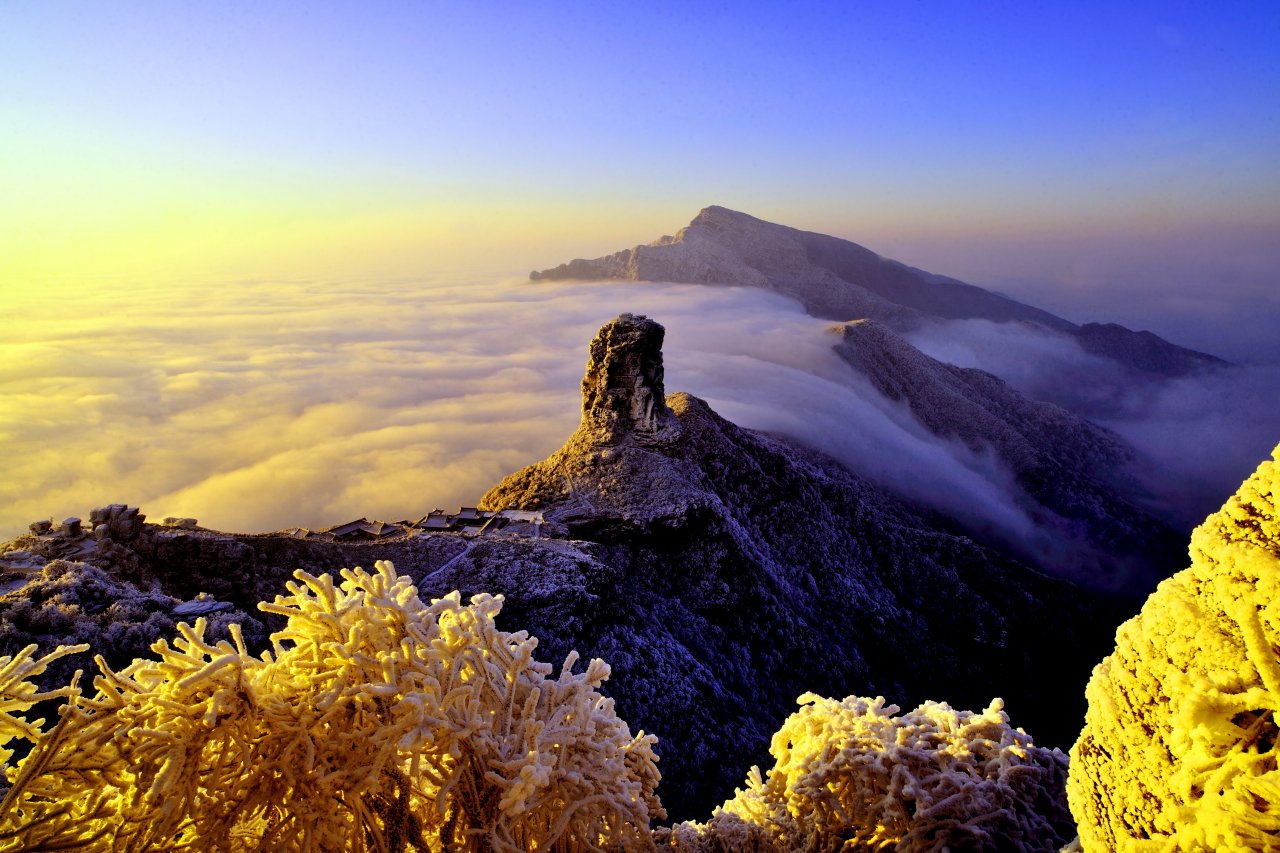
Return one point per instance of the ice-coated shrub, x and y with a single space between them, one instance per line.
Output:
1178 751
849 775
377 722
18 695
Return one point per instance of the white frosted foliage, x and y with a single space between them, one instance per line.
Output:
850 775
378 722
1178 749
19 694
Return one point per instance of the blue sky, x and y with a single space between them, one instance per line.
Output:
388 138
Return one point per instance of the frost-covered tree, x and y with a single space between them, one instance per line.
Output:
1178 751
849 775
377 722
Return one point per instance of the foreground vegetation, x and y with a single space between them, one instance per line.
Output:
378 722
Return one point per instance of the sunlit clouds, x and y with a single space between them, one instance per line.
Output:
254 406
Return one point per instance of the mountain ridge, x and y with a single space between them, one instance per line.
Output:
1074 476
787 570
838 279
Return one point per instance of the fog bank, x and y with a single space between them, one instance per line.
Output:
1201 434
255 406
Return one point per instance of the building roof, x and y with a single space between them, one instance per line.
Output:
380 528
347 529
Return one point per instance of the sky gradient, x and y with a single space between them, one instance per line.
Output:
160 140
256 251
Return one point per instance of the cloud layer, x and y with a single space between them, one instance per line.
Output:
255 406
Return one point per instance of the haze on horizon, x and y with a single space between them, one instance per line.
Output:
188 189
1106 161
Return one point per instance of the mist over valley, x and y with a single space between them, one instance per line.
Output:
271 405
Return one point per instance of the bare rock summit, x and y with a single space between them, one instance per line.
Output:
622 390
622 465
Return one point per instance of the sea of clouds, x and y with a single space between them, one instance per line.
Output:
256 406
1201 434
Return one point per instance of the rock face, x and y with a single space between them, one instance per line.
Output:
731 571
1071 473
840 280
1179 745
626 424
622 391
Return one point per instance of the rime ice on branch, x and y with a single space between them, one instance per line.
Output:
850 775
379 722
1179 746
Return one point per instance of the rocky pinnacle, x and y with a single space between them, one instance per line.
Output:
622 391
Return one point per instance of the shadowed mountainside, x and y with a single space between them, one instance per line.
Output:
748 570
1074 479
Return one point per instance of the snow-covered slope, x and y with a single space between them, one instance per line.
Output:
840 280
1073 478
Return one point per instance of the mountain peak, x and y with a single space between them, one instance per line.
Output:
622 390
715 211
713 533
836 279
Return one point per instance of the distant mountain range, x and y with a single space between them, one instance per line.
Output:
840 280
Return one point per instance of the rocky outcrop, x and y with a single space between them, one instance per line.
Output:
117 522
731 571
626 425
622 391
840 280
